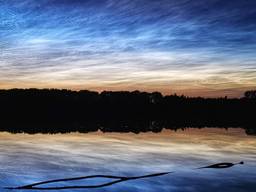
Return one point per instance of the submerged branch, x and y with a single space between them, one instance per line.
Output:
221 165
120 179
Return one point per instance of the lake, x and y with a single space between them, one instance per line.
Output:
29 158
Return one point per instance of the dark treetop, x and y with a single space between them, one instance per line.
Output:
53 110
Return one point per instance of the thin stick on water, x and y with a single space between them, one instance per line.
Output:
119 179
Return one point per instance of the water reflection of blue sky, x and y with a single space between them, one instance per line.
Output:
27 158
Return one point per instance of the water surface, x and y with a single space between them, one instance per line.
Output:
25 159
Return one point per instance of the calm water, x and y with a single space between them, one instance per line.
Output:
25 159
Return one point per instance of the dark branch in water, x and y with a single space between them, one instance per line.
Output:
221 165
119 179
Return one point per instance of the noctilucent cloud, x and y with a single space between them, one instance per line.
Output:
192 47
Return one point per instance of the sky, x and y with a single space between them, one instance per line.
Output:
191 47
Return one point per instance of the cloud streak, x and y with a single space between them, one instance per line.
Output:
189 47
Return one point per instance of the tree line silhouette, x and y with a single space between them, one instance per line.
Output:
55 110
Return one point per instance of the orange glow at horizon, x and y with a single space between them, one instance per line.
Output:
164 89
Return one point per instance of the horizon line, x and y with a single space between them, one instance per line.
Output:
130 91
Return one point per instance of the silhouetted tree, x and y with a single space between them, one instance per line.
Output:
250 94
54 110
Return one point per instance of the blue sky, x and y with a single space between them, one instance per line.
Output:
190 47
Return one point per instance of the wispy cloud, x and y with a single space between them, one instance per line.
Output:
188 47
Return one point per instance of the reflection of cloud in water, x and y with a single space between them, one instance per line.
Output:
30 158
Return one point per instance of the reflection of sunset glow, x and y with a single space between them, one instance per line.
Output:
191 139
56 156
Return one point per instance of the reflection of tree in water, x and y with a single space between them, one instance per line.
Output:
117 179
250 130
62 111
115 126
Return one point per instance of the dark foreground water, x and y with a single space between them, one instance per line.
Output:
25 159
